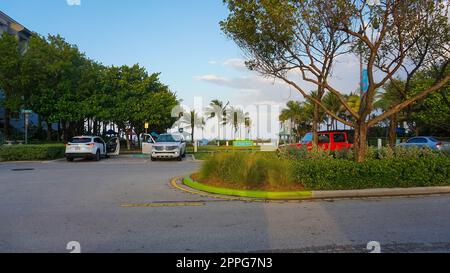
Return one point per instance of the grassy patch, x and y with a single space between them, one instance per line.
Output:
249 171
31 152
203 155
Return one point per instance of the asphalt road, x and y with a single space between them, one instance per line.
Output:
43 206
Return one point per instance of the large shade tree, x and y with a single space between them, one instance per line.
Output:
64 87
387 37
10 81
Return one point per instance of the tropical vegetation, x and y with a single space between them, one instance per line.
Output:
78 95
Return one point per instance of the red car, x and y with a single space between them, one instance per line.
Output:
328 140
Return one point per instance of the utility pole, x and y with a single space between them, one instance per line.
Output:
26 114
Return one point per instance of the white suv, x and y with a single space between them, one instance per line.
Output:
169 146
86 147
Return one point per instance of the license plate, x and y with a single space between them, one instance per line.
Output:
77 148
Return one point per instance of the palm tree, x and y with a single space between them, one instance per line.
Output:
248 126
354 101
217 109
300 116
235 117
332 103
193 120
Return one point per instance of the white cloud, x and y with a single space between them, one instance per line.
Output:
73 2
212 62
235 63
254 89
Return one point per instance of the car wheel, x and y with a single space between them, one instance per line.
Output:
97 156
184 154
180 158
69 159
152 159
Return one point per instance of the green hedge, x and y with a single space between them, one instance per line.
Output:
401 169
31 152
339 174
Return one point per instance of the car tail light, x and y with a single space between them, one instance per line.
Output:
90 145
439 145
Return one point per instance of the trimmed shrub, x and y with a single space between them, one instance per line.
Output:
400 172
31 152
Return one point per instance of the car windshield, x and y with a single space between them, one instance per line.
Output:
168 138
433 139
78 140
307 138
417 140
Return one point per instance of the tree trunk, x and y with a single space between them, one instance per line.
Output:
127 132
39 128
89 126
218 130
64 130
7 117
138 139
192 136
393 130
49 130
95 126
360 145
58 138
315 124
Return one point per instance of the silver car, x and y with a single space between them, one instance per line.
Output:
169 146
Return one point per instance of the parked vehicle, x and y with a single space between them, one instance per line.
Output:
92 147
425 142
170 146
147 143
203 142
328 140
113 146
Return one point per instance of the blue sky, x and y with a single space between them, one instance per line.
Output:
179 38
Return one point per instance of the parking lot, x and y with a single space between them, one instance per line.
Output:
126 204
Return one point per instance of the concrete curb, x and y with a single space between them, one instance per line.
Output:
327 195
380 192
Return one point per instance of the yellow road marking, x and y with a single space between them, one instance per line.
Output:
175 185
160 205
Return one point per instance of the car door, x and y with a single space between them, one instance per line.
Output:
97 145
147 144
113 146
101 145
324 141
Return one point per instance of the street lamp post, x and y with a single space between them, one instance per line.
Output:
26 114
